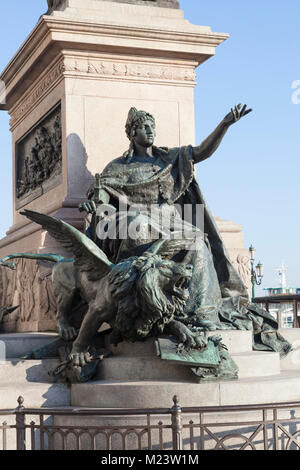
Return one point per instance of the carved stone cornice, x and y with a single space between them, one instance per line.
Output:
52 35
228 226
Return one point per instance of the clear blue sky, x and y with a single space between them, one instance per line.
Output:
253 178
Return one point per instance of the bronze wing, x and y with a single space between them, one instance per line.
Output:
88 256
167 248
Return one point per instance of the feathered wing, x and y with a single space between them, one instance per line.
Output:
88 256
167 248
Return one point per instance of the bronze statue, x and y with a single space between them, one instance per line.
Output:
52 5
139 297
174 276
147 175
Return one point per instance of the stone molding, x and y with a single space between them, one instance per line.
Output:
184 42
132 70
107 69
37 93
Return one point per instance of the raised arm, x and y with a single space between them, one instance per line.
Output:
212 142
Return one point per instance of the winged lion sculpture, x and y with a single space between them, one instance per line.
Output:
139 297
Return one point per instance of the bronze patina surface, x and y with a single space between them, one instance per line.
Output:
173 279
39 159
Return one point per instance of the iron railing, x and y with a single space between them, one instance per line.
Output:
249 427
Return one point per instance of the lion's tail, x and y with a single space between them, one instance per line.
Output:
35 256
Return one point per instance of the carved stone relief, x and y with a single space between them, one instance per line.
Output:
39 159
102 69
30 287
242 264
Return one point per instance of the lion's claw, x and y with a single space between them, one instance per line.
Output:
186 337
194 341
80 359
201 341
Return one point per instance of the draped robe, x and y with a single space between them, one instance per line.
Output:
218 297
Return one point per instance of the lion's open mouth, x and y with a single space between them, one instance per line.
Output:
180 288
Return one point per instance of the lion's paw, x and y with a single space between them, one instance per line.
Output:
190 340
193 341
80 359
68 333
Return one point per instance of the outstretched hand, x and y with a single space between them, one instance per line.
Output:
236 114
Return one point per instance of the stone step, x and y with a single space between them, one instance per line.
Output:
16 345
23 372
236 342
284 387
257 364
291 334
292 360
36 395
250 364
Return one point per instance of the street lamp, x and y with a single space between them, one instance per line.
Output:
257 273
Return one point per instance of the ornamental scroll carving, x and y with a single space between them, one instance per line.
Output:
39 159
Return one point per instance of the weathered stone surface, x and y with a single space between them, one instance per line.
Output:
26 371
283 387
148 394
30 287
19 344
36 395
250 364
58 4
274 389
292 361
236 341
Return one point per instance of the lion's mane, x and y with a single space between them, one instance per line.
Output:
142 306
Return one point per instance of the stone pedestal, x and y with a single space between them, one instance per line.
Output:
69 89
233 237
262 380
135 378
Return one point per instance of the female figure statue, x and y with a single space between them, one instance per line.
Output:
149 187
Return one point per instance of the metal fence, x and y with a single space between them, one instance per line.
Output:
251 427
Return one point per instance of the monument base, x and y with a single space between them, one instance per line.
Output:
135 378
263 381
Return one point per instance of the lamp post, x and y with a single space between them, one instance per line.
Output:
257 273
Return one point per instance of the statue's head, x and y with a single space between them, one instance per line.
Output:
140 127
